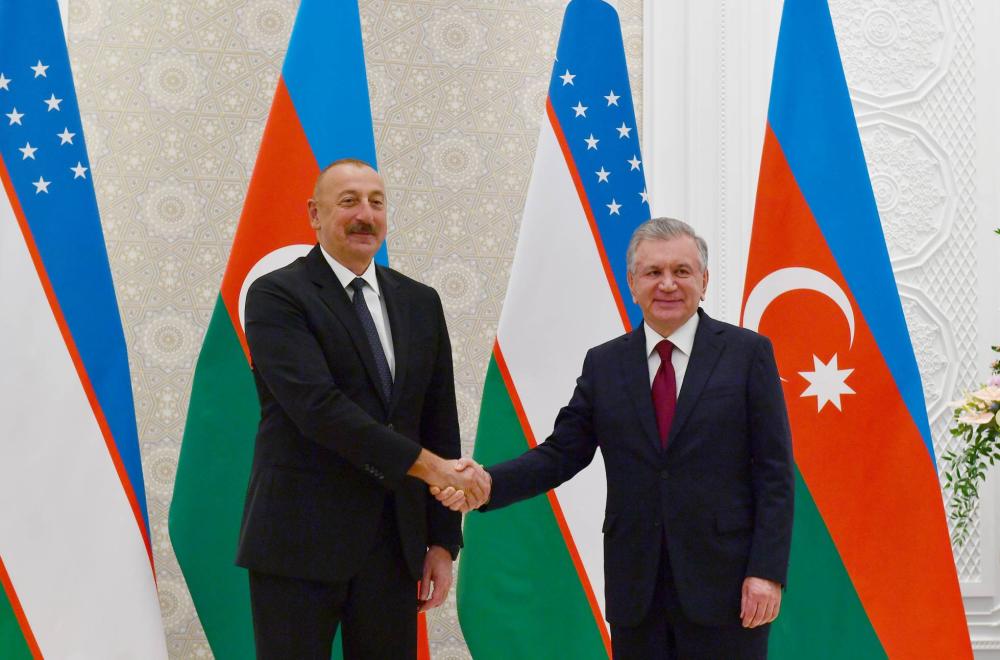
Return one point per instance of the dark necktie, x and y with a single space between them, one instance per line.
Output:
664 391
368 323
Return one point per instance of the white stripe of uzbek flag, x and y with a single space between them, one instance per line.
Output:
68 536
559 304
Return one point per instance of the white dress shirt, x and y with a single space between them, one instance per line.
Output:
683 341
374 300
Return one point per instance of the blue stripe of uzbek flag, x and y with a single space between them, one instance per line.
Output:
591 50
809 90
325 109
64 221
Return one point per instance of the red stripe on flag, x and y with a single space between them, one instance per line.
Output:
865 462
274 213
585 202
15 604
581 572
74 353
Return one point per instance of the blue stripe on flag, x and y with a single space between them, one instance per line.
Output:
38 112
812 117
592 99
336 118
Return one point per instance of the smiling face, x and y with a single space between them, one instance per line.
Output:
348 212
668 282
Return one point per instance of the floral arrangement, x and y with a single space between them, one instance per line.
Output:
977 424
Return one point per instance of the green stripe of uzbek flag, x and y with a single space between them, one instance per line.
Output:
517 549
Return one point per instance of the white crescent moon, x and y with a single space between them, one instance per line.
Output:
270 261
793 279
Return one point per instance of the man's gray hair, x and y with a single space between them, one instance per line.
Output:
664 229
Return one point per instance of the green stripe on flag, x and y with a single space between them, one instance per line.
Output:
519 595
821 615
211 484
13 646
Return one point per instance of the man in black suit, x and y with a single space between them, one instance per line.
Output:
353 369
690 418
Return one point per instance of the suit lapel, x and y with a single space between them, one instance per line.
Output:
635 373
705 354
333 294
398 309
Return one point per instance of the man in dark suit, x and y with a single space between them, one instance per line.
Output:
690 418
353 368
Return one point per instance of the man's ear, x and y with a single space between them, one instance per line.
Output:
313 210
631 286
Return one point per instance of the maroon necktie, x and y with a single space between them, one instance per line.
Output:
664 391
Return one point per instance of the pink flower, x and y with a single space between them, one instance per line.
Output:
994 381
975 418
988 393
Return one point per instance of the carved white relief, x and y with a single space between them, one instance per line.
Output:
933 346
913 187
892 50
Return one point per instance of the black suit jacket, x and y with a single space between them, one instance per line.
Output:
720 496
331 452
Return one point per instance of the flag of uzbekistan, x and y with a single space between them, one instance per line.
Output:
320 113
75 561
871 573
531 579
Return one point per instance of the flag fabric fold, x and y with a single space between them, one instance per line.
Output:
872 573
76 564
320 113
531 581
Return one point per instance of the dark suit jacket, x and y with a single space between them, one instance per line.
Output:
721 493
330 451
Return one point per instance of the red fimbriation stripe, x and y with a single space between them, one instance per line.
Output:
74 353
585 202
15 604
553 500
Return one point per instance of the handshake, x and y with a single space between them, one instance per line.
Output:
461 485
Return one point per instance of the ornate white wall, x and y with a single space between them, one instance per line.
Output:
923 79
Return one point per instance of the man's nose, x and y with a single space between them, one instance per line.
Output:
667 282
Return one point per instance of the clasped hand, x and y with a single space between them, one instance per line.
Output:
467 488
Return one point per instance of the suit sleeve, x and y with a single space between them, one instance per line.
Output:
568 450
771 470
288 357
439 433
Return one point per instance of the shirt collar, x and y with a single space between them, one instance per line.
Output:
345 275
682 338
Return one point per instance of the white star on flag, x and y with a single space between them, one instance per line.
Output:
65 137
602 175
41 186
581 109
28 151
40 69
612 99
613 207
624 131
827 382
79 172
15 117
644 196
635 162
591 142
4 82
567 78
52 102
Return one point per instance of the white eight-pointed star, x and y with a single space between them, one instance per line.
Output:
827 382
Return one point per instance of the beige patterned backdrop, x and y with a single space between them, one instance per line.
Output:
174 96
